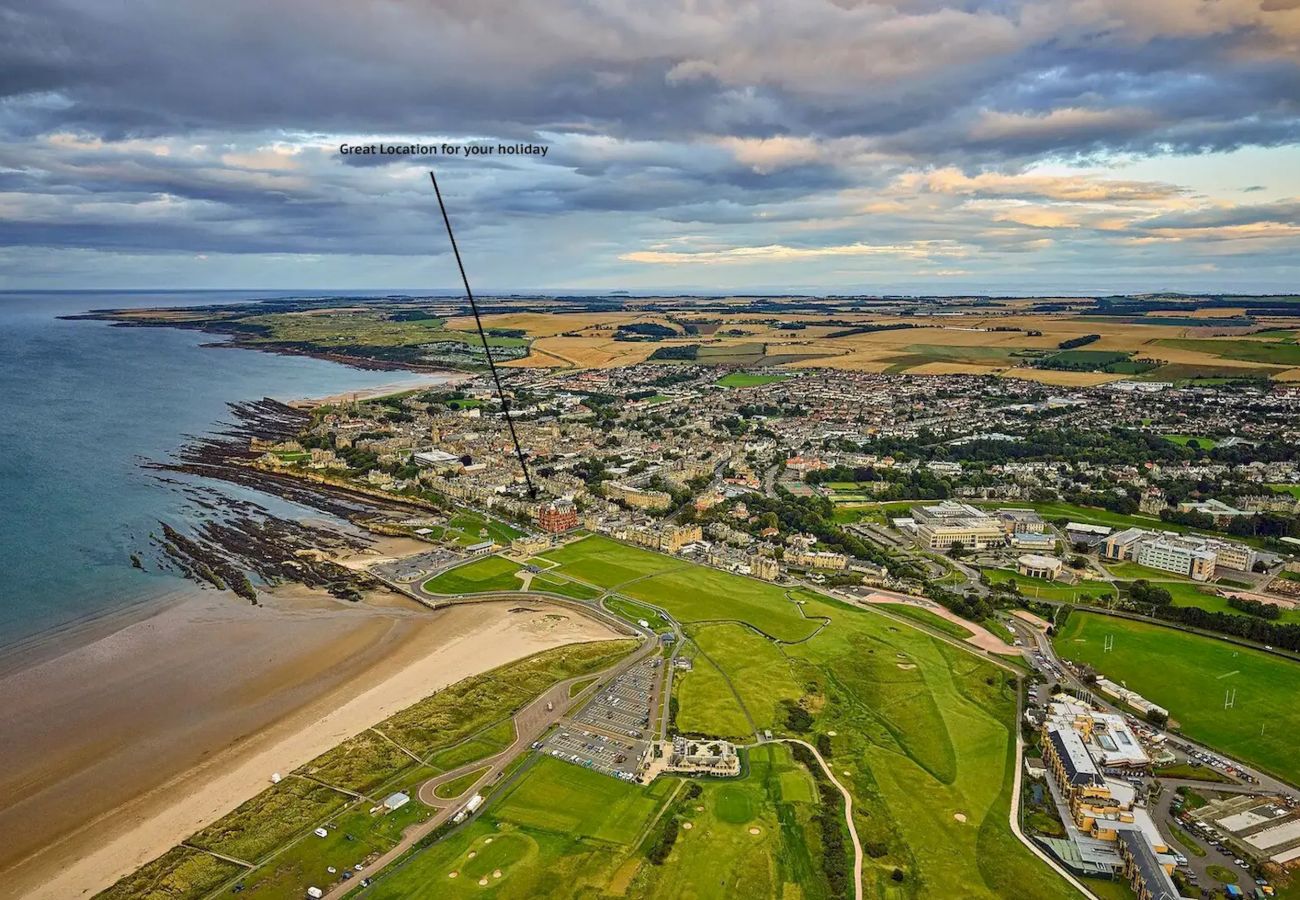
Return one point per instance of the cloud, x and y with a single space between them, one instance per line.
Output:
774 134
783 253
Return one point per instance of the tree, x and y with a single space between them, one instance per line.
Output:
957 550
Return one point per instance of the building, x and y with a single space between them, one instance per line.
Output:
1109 829
940 526
557 517
764 567
636 497
1197 557
817 559
1190 558
437 460
396 801
1032 565
529 545
1221 512
1021 521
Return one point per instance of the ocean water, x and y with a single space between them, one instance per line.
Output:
81 405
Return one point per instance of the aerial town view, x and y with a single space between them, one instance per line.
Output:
847 452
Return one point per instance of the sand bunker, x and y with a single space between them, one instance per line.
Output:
473 853
906 666
960 817
687 825
496 873
453 874
755 831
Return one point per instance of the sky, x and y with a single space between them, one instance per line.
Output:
917 146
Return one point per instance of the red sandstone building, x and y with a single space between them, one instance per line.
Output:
557 517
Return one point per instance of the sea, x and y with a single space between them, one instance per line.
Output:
82 405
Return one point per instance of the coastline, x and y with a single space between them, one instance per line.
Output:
118 749
416 382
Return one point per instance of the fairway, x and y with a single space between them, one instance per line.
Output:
689 592
560 831
1188 674
920 732
491 573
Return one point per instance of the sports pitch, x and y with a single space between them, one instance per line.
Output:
1189 675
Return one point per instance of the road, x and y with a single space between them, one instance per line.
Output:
1035 638
1199 864
1015 814
530 723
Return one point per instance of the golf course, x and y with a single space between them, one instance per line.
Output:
918 730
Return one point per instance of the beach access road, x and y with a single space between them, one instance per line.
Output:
530 723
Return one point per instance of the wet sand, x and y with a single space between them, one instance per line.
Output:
114 751
416 382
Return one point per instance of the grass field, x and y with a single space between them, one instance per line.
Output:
565 832
1292 489
474 527
490 573
462 723
1204 441
565 587
925 617
749 837
919 731
560 831
1188 674
1084 591
748 379
689 592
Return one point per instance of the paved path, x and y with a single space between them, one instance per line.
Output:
848 813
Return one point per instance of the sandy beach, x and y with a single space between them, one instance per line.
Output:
114 751
414 383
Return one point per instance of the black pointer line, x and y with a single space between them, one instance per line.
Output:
505 404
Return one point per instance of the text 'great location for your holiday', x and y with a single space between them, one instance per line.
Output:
441 149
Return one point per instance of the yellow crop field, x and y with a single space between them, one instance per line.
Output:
971 343
1062 379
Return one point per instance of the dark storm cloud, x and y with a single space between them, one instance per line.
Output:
166 126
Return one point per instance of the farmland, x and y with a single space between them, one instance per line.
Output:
1005 341
1188 675
1278 353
